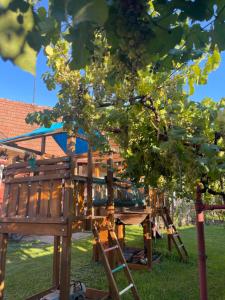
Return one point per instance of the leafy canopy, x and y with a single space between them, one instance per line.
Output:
165 33
163 137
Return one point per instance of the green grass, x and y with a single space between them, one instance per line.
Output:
29 267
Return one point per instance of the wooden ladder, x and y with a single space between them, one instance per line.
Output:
115 249
173 236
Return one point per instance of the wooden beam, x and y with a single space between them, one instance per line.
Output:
14 145
33 228
41 294
110 200
56 262
43 144
27 138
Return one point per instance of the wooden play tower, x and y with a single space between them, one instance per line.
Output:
50 197
39 200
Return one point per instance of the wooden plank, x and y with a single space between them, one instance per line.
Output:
32 211
34 228
38 220
22 200
14 145
41 168
59 175
80 200
137 266
39 194
6 200
41 294
68 205
56 199
3 250
96 294
39 162
45 196
28 199
13 200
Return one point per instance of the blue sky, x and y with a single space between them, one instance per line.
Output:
16 84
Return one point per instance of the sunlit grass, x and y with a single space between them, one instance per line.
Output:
29 267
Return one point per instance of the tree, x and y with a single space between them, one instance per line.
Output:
164 137
164 33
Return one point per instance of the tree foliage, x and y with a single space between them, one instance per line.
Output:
165 33
164 137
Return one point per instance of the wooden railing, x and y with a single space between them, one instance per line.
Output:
37 191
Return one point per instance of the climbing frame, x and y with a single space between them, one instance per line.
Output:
39 200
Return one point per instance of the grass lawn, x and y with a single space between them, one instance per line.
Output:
29 267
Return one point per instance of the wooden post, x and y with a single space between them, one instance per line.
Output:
43 145
199 207
169 241
110 208
97 170
66 243
147 195
65 267
148 240
56 261
3 249
89 188
110 200
120 232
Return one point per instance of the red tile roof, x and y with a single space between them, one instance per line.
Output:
12 123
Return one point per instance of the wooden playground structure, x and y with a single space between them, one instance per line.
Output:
50 197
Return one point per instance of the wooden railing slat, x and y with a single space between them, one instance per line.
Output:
40 162
41 168
59 175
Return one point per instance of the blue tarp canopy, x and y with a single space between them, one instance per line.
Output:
57 132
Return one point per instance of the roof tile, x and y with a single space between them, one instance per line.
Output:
12 120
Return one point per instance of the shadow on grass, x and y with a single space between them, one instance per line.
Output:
29 267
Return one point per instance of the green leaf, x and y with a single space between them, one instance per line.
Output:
213 62
48 50
209 149
218 35
81 45
27 59
13 37
4 3
47 25
197 37
88 10
191 83
57 9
